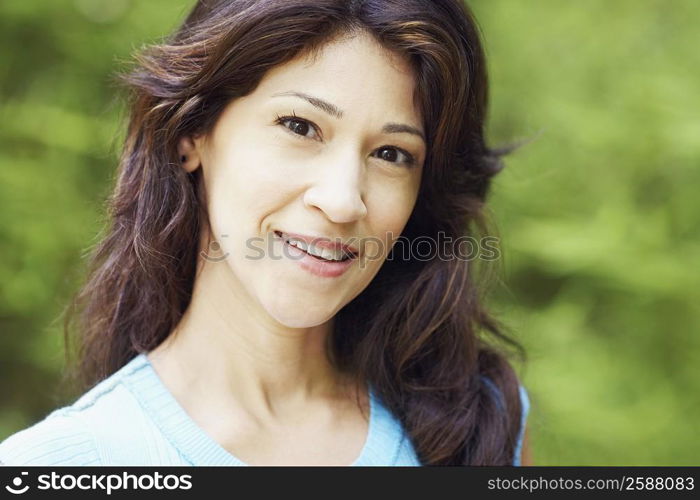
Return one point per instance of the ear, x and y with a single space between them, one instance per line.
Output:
188 153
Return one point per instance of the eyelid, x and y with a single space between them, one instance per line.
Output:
410 159
293 116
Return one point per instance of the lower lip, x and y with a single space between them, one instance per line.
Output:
325 269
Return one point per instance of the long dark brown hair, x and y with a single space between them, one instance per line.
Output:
419 331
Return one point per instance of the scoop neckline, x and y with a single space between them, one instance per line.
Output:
191 440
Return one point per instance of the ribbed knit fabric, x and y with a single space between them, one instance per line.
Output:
131 418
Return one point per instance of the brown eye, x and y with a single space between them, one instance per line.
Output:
391 154
388 154
297 126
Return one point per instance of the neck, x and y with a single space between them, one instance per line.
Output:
228 352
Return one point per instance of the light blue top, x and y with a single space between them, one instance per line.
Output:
131 418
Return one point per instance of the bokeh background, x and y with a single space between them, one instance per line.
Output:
598 210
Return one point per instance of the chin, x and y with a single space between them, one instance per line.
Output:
301 315
304 321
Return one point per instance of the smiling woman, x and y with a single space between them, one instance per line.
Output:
324 132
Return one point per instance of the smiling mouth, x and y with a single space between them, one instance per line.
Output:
346 254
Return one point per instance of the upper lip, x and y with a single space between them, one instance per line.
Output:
321 242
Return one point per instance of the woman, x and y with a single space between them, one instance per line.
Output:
259 297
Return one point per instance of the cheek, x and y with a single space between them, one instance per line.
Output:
246 184
388 211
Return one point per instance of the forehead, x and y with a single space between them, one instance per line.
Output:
354 72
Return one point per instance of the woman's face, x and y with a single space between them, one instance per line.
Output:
328 148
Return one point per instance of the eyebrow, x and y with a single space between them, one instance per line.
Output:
333 110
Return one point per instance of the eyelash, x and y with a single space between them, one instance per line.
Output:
410 161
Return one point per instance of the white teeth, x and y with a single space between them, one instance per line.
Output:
330 254
299 243
324 253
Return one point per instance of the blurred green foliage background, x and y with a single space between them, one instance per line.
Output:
598 212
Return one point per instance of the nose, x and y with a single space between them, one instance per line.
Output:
338 190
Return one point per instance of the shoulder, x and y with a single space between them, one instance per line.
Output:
103 419
59 439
